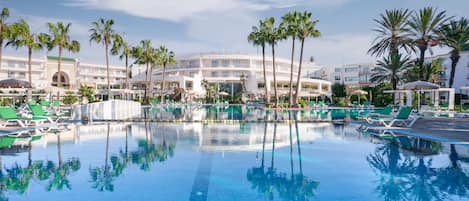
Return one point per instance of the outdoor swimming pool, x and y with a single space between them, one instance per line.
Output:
218 162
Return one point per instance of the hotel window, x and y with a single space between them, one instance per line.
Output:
226 73
337 69
214 74
11 74
260 85
352 69
237 63
214 63
226 63
22 75
193 64
336 77
351 79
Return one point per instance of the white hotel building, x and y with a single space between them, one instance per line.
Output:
74 73
225 70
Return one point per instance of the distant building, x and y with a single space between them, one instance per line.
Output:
74 73
230 72
461 76
353 75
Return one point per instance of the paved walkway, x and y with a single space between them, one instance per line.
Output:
450 130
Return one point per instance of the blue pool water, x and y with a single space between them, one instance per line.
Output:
221 162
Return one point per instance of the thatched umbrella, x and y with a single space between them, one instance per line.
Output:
13 83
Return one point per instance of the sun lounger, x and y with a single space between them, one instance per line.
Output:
403 118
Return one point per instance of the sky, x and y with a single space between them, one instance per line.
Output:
195 26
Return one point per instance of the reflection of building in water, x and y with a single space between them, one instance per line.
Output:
239 137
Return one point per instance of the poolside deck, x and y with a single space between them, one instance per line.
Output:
450 130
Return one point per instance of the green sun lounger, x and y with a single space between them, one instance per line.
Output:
38 113
403 117
8 115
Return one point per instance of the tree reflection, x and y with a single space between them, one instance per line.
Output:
144 156
294 187
413 177
18 178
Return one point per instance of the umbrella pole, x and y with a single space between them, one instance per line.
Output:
418 103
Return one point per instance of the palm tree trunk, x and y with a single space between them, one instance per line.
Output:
30 52
454 61
274 72
299 72
145 99
150 90
267 97
1 48
421 60
59 73
126 75
107 69
163 84
290 93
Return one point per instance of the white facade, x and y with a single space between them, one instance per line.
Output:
74 73
356 75
461 76
228 68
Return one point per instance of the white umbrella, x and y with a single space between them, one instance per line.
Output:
359 92
223 93
419 86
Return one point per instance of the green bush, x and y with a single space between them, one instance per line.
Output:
69 98
302 103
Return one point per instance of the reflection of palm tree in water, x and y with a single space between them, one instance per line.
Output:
297 187
415 178
101 178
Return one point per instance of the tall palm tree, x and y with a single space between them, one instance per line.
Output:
258 38
393 32
124 50
3 28
273 35
424 26
291 22
102 32
391 69
306 29
165 57
455 35
145 54
59 37
20 35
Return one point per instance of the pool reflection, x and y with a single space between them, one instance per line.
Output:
292 162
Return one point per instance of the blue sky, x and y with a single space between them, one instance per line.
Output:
192 26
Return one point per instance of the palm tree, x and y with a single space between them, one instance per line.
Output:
59 37
165 57
273 35
258 38
145 54
455 35
391 68
291 22
19 35
102 32
306 29
393 32
424 26
121 47
3 28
